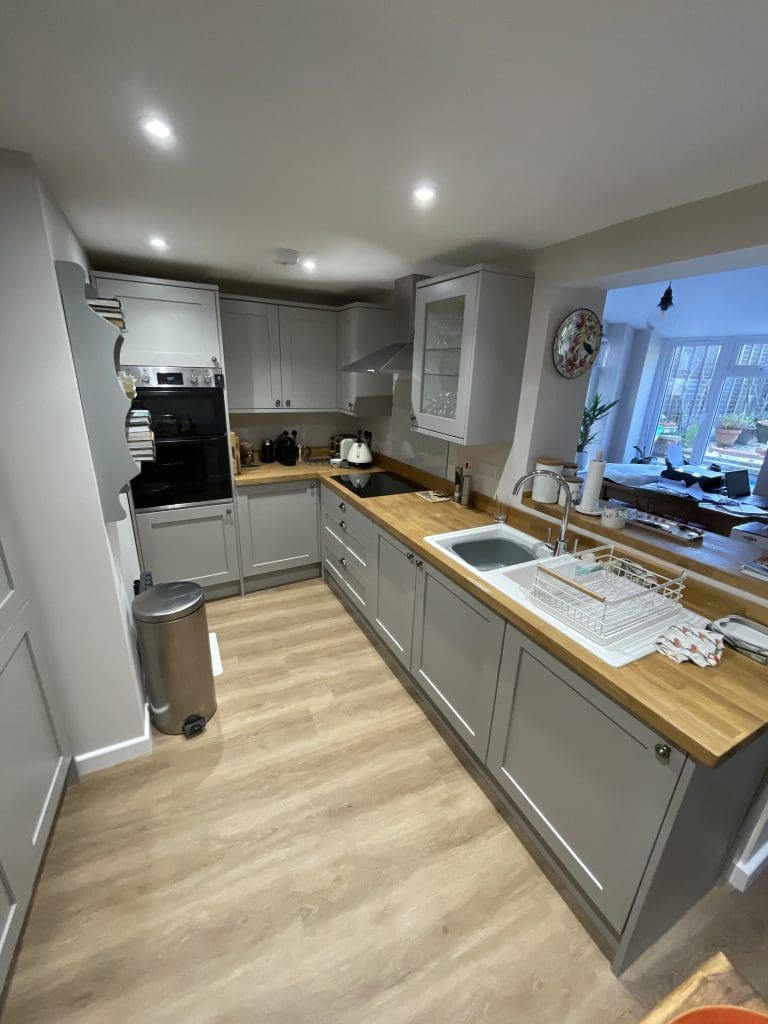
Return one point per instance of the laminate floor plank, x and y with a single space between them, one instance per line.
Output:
318 855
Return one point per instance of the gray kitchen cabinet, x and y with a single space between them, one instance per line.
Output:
470 335
348 541
395 596
308 357
456 653
362 329
167 323
592 781
198 544
278 356
278 527
251 338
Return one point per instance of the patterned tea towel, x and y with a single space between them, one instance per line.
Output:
689 643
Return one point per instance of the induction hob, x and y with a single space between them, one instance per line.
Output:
375 485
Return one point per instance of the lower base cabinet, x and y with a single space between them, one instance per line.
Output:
457 645
278 527
198 544
395 596
592 781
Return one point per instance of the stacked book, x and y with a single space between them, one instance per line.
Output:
141 440
110 310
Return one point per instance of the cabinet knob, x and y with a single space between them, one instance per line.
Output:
342 507
419 563
410 556
343 562
350 405
277 401
343 525
663 751
229 511
287 401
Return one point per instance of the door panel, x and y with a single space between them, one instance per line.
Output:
278 527
197 544
582 770
395 596
166 324
9 604
456 653
251 339
308 357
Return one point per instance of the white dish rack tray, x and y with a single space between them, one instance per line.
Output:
606 596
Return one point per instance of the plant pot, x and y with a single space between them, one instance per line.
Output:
747 436
762 431
725 437
582 460
664 442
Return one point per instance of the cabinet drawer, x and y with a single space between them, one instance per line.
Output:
355 524
593 781
353 578
357 551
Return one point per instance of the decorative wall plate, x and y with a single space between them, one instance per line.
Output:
577 342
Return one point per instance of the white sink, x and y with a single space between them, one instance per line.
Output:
486 549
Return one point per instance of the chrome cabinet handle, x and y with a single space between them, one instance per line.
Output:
288 401
410 556
342 507
343 525
663 751
419 563
277 401
343 562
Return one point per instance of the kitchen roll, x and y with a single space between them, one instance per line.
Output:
591 493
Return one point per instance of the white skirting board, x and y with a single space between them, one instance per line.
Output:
106 757
745 871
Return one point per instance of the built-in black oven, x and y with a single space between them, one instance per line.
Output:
189 422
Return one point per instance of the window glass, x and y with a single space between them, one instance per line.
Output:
684 398
755 353
739 434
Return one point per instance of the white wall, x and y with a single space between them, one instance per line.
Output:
46 470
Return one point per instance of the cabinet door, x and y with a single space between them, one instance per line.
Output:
582 770
250 335
395 596
308 357
167 324
362 330
456 653
278 527
198 544
444 336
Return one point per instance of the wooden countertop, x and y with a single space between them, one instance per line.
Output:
709 713
275 473
715 983
717 558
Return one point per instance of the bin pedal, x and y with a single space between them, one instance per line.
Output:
193 725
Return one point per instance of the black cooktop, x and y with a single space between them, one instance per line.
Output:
374 485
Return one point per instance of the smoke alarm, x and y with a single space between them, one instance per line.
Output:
287 257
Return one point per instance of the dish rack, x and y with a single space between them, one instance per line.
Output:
606 596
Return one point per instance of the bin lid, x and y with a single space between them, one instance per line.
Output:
167 601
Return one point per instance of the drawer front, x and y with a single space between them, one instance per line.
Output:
359 552
355 524
353 580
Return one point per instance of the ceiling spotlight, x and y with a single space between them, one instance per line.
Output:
425 194
157 128
158 243
309 264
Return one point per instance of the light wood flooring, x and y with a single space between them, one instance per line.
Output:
320 855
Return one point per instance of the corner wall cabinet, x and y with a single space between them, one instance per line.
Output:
278 356
197 544
471 330
168 323
96 347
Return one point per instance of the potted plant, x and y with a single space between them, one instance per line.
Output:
728 428
593 412
761 427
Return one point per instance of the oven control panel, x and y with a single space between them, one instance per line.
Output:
175 376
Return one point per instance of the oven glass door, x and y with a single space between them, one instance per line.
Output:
183 412
186 472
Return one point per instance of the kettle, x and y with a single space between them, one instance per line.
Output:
286 449
360 452
267 453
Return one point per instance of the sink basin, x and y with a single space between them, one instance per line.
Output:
487 548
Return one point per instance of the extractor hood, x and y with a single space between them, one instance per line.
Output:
397 357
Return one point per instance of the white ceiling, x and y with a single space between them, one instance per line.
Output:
716 305
305 123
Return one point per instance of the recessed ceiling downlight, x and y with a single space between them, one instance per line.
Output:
309 264
159 243
425 193
157 128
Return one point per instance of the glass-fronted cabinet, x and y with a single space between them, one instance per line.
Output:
444 337
470 333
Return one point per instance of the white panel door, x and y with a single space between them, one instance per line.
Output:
167 324
34 754
250 333
308 357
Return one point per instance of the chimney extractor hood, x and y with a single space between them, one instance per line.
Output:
397 357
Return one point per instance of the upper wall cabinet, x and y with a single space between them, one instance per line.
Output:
363 329
471 330
168 323
278 356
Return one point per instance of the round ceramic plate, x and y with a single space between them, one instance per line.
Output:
577 342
